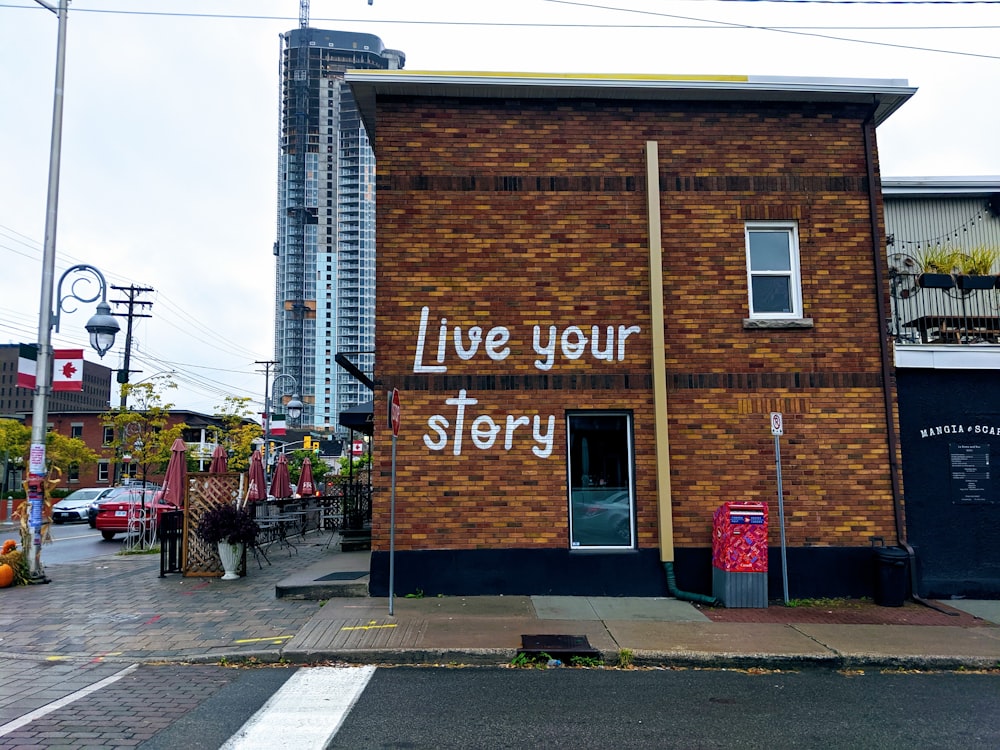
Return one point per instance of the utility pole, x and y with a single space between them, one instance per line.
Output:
132 302
133 292
267 415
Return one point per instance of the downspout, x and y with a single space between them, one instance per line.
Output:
660 431
868 129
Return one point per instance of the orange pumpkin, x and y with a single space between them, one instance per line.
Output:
6 576
9 546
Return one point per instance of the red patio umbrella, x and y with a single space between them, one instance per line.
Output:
306 486
281 487
220 461
173 483
256 484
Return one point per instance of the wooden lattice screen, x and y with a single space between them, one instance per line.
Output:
205 491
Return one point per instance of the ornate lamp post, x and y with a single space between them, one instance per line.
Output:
294 408
102 326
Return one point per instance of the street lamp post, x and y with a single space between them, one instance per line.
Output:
294 407
102 326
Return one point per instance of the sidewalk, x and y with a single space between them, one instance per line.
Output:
117 609
652 632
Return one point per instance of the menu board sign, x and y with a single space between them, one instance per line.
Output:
970 473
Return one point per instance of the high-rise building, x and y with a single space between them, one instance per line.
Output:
325 249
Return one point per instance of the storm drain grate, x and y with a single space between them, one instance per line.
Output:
558 646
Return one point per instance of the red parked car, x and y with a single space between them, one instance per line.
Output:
129 510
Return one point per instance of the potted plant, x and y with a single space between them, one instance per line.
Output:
231 528
937 264
976 267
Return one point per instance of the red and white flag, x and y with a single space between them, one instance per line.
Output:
27 363
278 425
67 370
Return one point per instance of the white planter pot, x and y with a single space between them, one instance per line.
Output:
230 554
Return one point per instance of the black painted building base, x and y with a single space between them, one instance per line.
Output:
812 572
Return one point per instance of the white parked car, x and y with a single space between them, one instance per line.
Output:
75 506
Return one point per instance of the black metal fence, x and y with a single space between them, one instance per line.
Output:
944 309
171 534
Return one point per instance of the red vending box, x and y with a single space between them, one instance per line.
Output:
739 554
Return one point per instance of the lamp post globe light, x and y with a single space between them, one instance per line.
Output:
293 407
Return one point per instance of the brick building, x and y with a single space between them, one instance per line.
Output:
89 427
592 293
16 402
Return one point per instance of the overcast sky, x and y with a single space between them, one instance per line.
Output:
169 151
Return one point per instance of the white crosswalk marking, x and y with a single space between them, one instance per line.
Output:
306 712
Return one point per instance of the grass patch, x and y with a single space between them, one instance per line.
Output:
828 603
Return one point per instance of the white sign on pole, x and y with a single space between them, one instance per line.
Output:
777 426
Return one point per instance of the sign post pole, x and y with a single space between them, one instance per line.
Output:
777 429
394 416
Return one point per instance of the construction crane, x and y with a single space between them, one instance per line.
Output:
304 13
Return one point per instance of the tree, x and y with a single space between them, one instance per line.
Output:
64 452
238 432
295 459
14 441
141 429
352 468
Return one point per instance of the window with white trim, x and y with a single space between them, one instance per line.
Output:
773 269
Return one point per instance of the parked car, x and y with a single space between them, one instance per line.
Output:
75 507
110 494
134 509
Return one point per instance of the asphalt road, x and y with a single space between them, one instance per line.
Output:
77 541
202 706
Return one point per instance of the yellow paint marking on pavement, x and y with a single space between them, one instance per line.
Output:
55 658
258 640
372 625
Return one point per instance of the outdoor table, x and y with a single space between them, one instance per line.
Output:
956 329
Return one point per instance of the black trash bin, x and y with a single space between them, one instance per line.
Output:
891 568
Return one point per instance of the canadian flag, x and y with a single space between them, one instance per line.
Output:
67 370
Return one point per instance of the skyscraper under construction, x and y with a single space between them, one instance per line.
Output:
325 249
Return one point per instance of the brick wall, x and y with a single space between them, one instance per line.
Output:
522 213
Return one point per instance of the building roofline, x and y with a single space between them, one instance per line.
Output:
887 95
931 186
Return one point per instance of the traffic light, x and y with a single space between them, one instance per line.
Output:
307 443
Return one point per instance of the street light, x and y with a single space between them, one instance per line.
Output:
102 326
294 408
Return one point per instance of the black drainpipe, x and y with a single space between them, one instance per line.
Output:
868 129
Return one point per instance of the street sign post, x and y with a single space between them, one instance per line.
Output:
778 429
395 415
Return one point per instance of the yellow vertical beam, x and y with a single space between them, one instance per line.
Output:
661 433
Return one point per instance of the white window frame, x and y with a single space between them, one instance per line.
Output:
792 273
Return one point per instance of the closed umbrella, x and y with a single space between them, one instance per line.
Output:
306 486
173 483
256 485
281 486
220 461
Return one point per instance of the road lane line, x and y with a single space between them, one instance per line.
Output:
38 713
306 712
